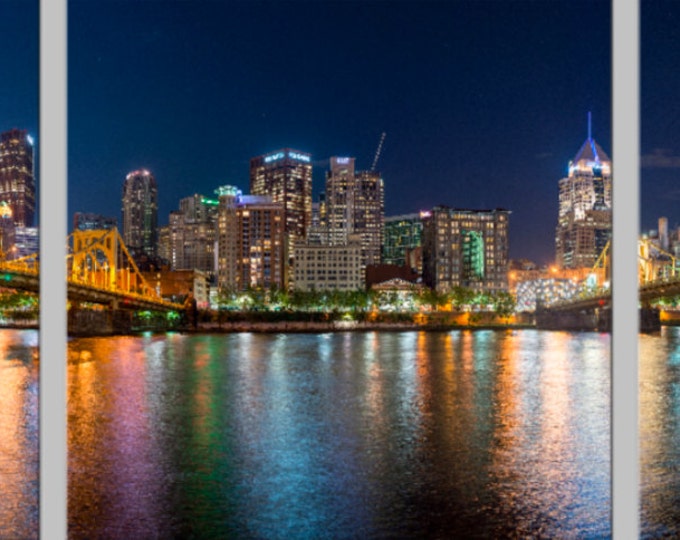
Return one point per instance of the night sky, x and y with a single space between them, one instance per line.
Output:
19 70
483 103
659 113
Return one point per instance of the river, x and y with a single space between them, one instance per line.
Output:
19 450
660 433
475 434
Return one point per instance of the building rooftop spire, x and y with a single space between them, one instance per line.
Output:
590 150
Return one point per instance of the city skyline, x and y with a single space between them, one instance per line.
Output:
659 130
480 112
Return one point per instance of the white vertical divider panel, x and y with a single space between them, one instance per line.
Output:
52 222
625 193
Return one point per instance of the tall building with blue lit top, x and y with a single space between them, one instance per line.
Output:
585 217
286 177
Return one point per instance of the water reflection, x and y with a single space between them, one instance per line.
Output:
347 435
19 458
659 379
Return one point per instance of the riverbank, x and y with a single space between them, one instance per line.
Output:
98 323
393 322
28 325
340 326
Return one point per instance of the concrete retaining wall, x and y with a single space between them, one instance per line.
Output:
84 322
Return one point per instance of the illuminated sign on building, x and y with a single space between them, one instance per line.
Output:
292 155
297 155
342 160
273 157
228 190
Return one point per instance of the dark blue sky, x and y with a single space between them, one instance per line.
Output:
659 112
19 71
483 103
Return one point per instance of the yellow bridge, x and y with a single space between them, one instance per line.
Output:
100 271
658 278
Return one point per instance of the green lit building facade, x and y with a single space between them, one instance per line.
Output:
402 241
465 248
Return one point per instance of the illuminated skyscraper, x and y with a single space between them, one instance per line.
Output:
286 177
140 212
465 248
339 199
251 241
17 182
192 233
585 220
228 197
355 206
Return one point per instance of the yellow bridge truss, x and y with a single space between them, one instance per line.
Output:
30 264
652 268
654 263
99 258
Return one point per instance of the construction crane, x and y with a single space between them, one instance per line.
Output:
377 152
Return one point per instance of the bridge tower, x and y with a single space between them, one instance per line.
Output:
99 258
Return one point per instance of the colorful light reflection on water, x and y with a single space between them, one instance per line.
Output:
659 375
346 435
19 435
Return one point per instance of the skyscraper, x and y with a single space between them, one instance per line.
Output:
585 221
140 212
192 233
17 182
339 197
251 241
228 197
286 176
355 205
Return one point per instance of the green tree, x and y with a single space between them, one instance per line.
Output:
461 296
504 304
432 298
